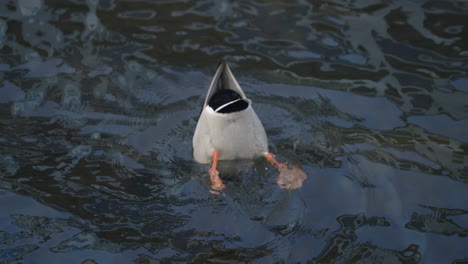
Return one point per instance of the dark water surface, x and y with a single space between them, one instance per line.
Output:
99 100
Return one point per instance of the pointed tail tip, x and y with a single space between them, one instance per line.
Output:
222 63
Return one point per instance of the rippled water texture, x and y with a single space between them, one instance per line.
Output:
99 100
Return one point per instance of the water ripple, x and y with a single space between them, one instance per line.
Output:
99 100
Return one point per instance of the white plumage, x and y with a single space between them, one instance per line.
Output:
228 125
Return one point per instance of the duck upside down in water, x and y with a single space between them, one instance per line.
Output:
229 129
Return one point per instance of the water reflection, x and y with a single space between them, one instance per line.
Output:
99 101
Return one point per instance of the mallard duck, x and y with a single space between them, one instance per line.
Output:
229 129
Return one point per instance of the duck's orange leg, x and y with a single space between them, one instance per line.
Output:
216 183
289 178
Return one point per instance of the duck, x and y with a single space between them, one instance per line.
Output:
229 129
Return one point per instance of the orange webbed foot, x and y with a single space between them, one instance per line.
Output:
289 178
216 184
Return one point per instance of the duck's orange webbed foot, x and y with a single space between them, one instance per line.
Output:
216 184
289 178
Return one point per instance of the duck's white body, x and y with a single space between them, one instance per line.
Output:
235 135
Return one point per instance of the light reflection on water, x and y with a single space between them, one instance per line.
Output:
99 100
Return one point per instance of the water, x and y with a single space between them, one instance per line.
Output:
99 100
